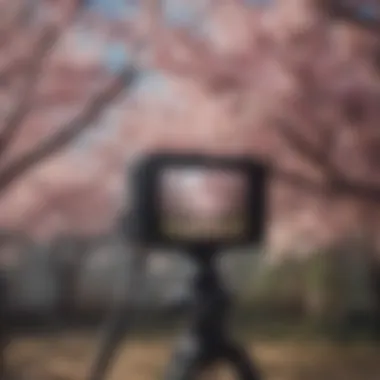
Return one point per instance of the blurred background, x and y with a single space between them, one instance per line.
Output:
88 86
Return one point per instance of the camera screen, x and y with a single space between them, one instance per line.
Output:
203 203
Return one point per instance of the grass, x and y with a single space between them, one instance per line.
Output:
68 358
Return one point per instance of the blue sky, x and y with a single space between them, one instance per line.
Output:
114 8
149 80
176 12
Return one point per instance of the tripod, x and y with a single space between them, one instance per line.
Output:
207 341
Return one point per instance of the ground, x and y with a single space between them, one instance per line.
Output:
68 357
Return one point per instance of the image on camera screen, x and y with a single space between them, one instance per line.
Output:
199 203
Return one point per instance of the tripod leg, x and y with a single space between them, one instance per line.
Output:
121 318
114 334
187 362
239 358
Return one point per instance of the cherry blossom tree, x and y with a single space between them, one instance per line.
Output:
293 84
37 80
51 91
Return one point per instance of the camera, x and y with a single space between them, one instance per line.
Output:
187 201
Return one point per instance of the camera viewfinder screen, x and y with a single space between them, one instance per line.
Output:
203 203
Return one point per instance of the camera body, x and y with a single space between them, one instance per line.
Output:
192 201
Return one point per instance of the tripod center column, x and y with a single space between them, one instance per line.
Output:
212 303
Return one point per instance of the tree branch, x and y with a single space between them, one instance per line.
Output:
14 120
338 186
351 13
49 36
337 182
317 155
68 133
